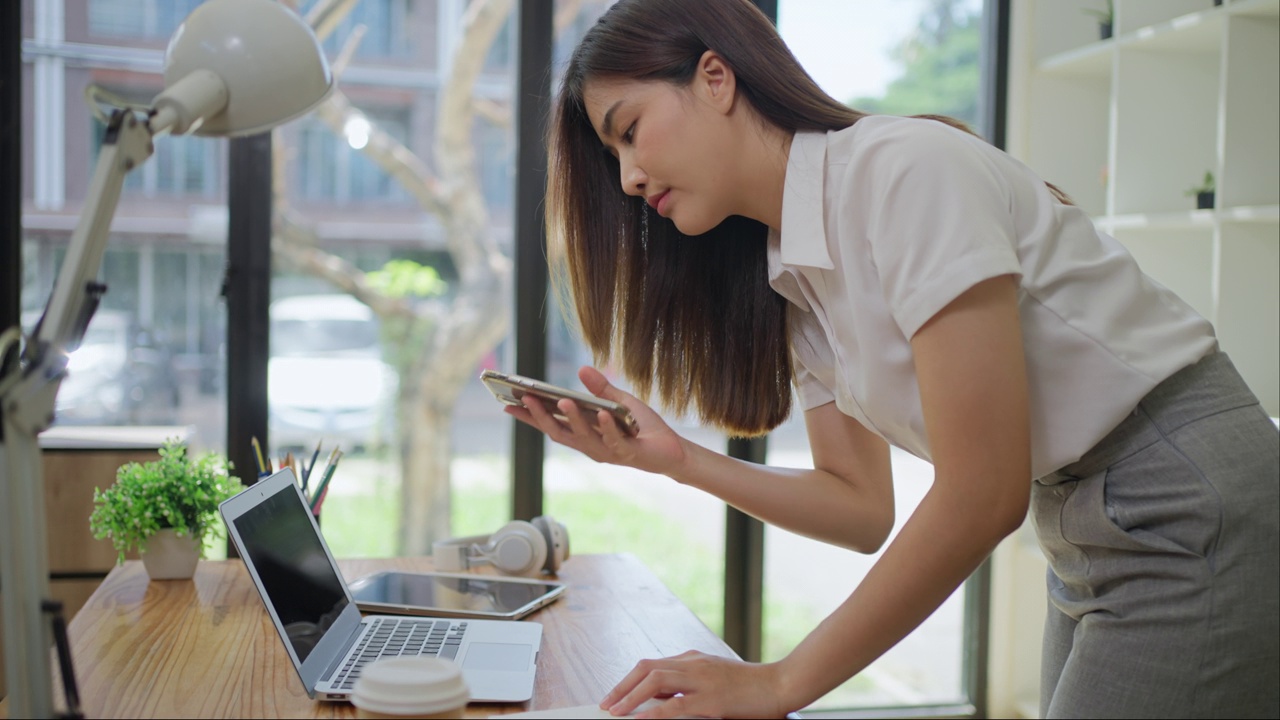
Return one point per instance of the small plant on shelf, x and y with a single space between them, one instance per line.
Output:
176 492
1106 18
1203 193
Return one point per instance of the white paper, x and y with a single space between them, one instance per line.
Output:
582 712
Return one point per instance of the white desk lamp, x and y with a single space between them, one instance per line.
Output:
234 67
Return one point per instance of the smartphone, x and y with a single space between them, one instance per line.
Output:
453 594
511 389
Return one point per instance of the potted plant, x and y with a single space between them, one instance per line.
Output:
165 509
1106 17
1203 192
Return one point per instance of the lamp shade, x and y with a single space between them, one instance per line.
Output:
270 64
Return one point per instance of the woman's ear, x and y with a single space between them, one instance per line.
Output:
715 81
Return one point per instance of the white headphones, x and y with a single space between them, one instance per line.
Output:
519 548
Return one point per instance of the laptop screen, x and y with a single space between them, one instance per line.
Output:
308 596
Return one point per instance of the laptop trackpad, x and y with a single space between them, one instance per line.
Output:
497 656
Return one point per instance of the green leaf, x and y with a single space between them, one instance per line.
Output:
173 491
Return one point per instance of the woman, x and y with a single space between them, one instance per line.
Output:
731 231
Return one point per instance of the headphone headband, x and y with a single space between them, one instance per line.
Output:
453 554
518 548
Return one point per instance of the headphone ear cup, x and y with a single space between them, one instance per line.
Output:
557 539
518 549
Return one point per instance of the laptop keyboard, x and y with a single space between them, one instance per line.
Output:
398 637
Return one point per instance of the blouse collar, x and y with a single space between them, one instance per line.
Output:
803 237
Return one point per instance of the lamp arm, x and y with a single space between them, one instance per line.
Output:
27 400
126 144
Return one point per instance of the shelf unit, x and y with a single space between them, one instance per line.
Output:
1128 124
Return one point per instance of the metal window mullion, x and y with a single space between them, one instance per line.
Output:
248 298
744 565
744 535
533 90
11 167
993 100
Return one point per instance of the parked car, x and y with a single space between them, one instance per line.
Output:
121 374
326 380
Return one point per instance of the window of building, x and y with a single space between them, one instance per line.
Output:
386 24
138 18
154 351
333 166
183 166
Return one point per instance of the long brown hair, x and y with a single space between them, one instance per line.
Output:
694 316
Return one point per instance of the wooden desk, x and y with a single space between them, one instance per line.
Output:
206 648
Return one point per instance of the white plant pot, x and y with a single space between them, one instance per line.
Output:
169 557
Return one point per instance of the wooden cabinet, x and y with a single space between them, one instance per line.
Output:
75 461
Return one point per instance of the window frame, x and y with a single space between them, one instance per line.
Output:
249 269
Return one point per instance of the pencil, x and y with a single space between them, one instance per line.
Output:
320 502
323 488
315 494
306 469
257 452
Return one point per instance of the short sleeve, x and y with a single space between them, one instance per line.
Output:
940 216
810 389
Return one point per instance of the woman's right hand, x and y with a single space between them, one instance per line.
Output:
655 448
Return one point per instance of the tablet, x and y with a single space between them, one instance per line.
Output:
453 594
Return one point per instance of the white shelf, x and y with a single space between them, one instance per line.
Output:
1254 214
1159 221
1125 126
1260 214
1087 60
1194 32
1146 16
1200 29
1254 8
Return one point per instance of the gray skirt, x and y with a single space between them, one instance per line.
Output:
1163 545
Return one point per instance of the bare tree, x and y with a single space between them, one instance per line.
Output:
454 335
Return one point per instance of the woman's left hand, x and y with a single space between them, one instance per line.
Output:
706 685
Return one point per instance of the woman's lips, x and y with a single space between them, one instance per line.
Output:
660 203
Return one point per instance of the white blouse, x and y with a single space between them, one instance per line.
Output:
886 222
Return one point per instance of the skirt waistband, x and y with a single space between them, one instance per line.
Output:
1209 386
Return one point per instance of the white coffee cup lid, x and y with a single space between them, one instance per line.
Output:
410 686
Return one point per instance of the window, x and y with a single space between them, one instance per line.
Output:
497 165
677 531
333 167
426 448
386 24
911 58
167 258
501 57
183 166
154 351
138 18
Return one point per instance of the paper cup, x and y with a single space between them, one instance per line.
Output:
410 687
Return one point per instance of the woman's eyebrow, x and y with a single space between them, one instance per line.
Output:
606 126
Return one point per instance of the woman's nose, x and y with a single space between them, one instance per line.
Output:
633 179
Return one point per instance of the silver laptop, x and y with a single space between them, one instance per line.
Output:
323 631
